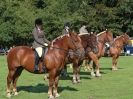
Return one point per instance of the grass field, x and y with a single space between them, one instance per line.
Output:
112 84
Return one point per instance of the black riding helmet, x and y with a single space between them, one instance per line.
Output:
67 24
38 21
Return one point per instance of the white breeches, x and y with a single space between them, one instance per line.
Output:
39 51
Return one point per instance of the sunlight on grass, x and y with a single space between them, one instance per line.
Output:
112 84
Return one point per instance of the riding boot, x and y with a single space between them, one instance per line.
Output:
36 69
43 67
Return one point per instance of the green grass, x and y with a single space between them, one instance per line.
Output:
112 84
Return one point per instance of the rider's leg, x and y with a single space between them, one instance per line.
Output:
38 54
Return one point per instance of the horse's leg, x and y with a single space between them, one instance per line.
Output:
87 65
96 67
116 61
113 62
78 74
96 62
15 78
52 75
9 82
55 92
84 64
74 73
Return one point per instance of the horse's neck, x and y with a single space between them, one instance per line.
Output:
58 46
101 39
119 42
100 47
101 42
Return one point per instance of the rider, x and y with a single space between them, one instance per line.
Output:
83 29
66 28
40 41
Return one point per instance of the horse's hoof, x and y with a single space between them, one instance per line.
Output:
57 95
78 81
85 69
93 74
15 93
51 97
74 82
8 95
45 77
114 69
98 75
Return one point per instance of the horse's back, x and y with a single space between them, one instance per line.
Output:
19 50
18 54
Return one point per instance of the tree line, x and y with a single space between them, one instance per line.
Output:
17 17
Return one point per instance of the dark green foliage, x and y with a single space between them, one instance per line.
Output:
17 17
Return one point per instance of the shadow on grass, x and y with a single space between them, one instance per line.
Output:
42 88
83 75
109 69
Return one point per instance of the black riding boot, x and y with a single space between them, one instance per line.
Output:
43 67
36 69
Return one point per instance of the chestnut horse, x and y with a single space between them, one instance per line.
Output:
103 37
89 42
22 57
116 47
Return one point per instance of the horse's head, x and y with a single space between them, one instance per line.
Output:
109 36
74 43
125 38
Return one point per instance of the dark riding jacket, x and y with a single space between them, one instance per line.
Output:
39 38
65 31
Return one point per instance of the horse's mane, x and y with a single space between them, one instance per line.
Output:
59 38
117 38
101 33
